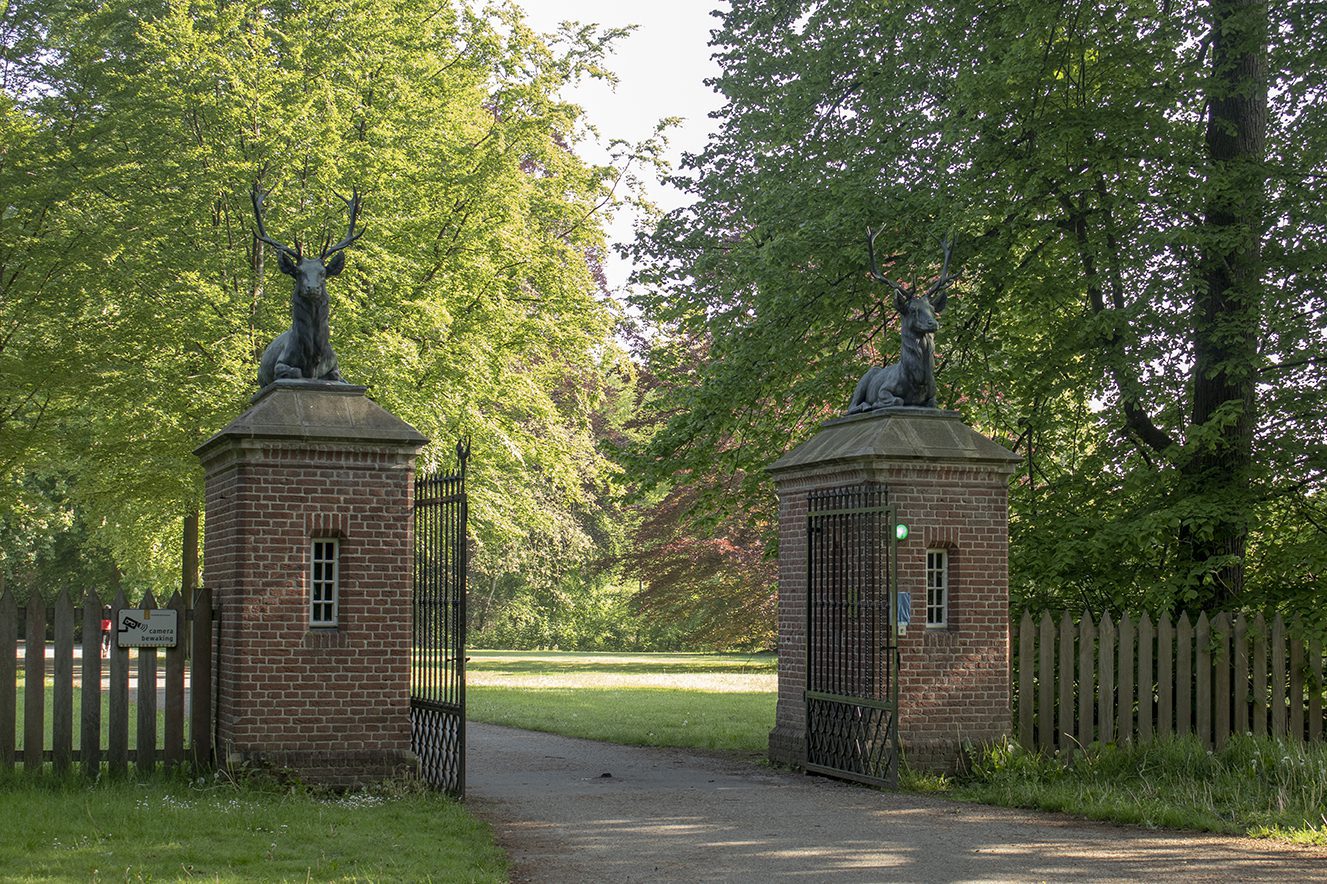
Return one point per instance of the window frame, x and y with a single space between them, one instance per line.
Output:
942 590
316 583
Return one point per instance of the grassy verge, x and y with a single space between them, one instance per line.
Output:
173 829
1252 786
695 701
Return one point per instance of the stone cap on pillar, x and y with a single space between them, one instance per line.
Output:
316 411
894 435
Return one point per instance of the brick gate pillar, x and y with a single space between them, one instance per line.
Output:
308 553
949 485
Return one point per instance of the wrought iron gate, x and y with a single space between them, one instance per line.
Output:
437 672
851 638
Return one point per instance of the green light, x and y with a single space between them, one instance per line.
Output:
901 531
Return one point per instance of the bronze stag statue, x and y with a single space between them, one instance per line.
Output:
303 351
911 380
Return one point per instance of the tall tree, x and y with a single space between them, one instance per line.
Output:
1139 225
136 302
1227 308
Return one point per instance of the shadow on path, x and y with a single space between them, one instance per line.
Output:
671 815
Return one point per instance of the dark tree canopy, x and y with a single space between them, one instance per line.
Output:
1136 194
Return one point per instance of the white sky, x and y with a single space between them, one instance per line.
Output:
661 69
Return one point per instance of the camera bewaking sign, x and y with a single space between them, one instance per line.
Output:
154 628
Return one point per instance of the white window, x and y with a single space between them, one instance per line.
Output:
937 587
323 582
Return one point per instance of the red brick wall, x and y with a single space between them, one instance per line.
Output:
953 682
287 690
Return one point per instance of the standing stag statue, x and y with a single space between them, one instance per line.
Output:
911 380
303 351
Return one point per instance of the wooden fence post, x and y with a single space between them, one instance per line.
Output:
1124 711
1221 632
1087 638
1106 682
62 691
117 744
1146 678
1296 687
1315 690
1046 684
90 727
1240 643
34 685
1064 736
173 753
1184 676
1203 680
1278 698
1259 664
1165 677
1026 700
146 755
8 678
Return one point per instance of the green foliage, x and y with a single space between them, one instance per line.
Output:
576 614
47 547
1065 149
714 581
1254 786
134 303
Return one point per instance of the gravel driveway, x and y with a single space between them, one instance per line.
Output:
577 811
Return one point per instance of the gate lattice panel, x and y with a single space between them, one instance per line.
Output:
437 672
852 652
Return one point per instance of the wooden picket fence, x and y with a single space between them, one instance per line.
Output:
63 714
1133 680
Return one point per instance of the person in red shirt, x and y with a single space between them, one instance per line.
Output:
105 630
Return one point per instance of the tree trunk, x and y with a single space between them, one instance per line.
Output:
1227 307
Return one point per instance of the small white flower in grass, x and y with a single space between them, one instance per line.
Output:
359 800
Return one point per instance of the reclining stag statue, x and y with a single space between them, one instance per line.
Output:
911 380
303 351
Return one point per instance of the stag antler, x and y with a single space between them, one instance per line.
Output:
945 279
258 195
351 235
875 268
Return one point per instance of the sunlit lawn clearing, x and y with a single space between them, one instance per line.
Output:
699 701
746 673
172 830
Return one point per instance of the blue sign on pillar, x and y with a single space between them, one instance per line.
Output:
904 611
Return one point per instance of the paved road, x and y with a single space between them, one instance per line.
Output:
675 816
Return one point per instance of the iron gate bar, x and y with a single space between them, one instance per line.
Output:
437 671
856 701
851 657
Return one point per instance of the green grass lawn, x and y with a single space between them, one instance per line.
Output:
169 829
694 701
